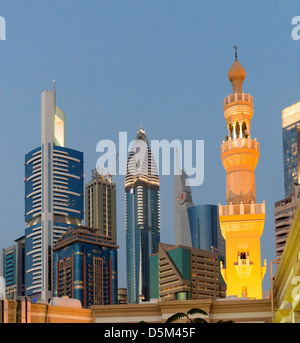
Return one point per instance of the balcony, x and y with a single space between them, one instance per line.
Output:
238 97
238 209
238 143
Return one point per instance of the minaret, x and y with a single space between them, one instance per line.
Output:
241 220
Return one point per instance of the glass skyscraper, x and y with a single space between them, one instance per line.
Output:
205 228
196 226
85 267
142 217
53 198
12 269
291 146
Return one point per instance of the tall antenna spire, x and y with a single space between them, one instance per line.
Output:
235 47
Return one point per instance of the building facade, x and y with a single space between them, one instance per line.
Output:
100 205
185 273
291 146
182 201
142 217
196 226
53 198
205 228
283 216
12 269
241 220
85 267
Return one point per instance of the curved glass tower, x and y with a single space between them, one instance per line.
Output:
53 198
142 217
205 228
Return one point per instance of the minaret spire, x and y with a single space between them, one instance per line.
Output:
235 47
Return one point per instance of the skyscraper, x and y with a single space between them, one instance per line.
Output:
12 269
142 217
195 226
291 147
182 201
100 205
283 216
286 208
85 266
53 197
241 220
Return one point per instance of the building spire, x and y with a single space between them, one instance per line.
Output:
235 47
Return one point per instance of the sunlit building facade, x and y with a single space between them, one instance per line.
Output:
142 217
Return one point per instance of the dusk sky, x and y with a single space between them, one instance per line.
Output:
162 63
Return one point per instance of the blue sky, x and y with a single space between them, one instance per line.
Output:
163 63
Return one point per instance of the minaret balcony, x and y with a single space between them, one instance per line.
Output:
238 218
238 97
238 209
238 143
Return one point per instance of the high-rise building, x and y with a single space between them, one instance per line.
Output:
85 267
12 269
205 228
195 226
100 205
182 201
241 220
283 216
286 208
184 273
142 217
291 147
53 198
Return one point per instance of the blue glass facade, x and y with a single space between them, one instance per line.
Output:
65 202
91 274
205 228
9 268
142 238
291 146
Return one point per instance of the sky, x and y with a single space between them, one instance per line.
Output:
162 63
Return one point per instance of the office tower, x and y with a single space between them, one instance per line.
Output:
284 215
205 228
286 208
195 226
291 146
142 217
182 201
53 197
184 273
85 267
241 220
12 269
100 205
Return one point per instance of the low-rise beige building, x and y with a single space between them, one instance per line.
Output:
238 310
